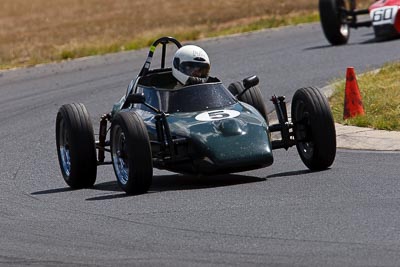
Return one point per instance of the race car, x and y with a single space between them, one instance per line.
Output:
203 128
338 16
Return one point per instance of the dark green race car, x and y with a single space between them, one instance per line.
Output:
199 129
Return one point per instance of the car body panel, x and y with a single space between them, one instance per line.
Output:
222 134
385 17
226 142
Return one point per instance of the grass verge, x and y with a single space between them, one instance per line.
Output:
188 35
380 97
83 49
41 31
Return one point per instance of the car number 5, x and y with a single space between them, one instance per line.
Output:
217 115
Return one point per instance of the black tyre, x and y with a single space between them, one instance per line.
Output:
333 21
252 97
131 153
314 128
76 146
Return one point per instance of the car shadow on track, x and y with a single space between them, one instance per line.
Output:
369 41
291 173
162 183
372 40
186 182
52 191
178 182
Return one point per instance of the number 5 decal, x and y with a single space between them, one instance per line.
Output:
217 115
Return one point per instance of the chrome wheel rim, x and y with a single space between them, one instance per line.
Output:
119 155
307 149
64 147
303 132
344 29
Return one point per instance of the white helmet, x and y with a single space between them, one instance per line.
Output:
190 63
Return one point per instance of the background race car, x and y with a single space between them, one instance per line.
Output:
338 16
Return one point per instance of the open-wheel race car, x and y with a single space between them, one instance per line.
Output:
338 16
203 128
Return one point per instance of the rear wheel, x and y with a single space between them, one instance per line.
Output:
131 153
333 21
76 146
314 128
252 97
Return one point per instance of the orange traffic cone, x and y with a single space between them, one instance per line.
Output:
352 101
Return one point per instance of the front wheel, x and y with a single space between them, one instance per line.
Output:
333 21
131 153
314 128
76 146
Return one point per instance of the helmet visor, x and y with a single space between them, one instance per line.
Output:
195 69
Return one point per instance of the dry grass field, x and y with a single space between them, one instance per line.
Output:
37 31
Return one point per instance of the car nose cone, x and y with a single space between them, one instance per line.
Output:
231 127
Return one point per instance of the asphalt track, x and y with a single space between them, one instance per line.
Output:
283 215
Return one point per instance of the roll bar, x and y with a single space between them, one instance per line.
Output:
164 41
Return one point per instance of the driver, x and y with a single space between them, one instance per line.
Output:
191 65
